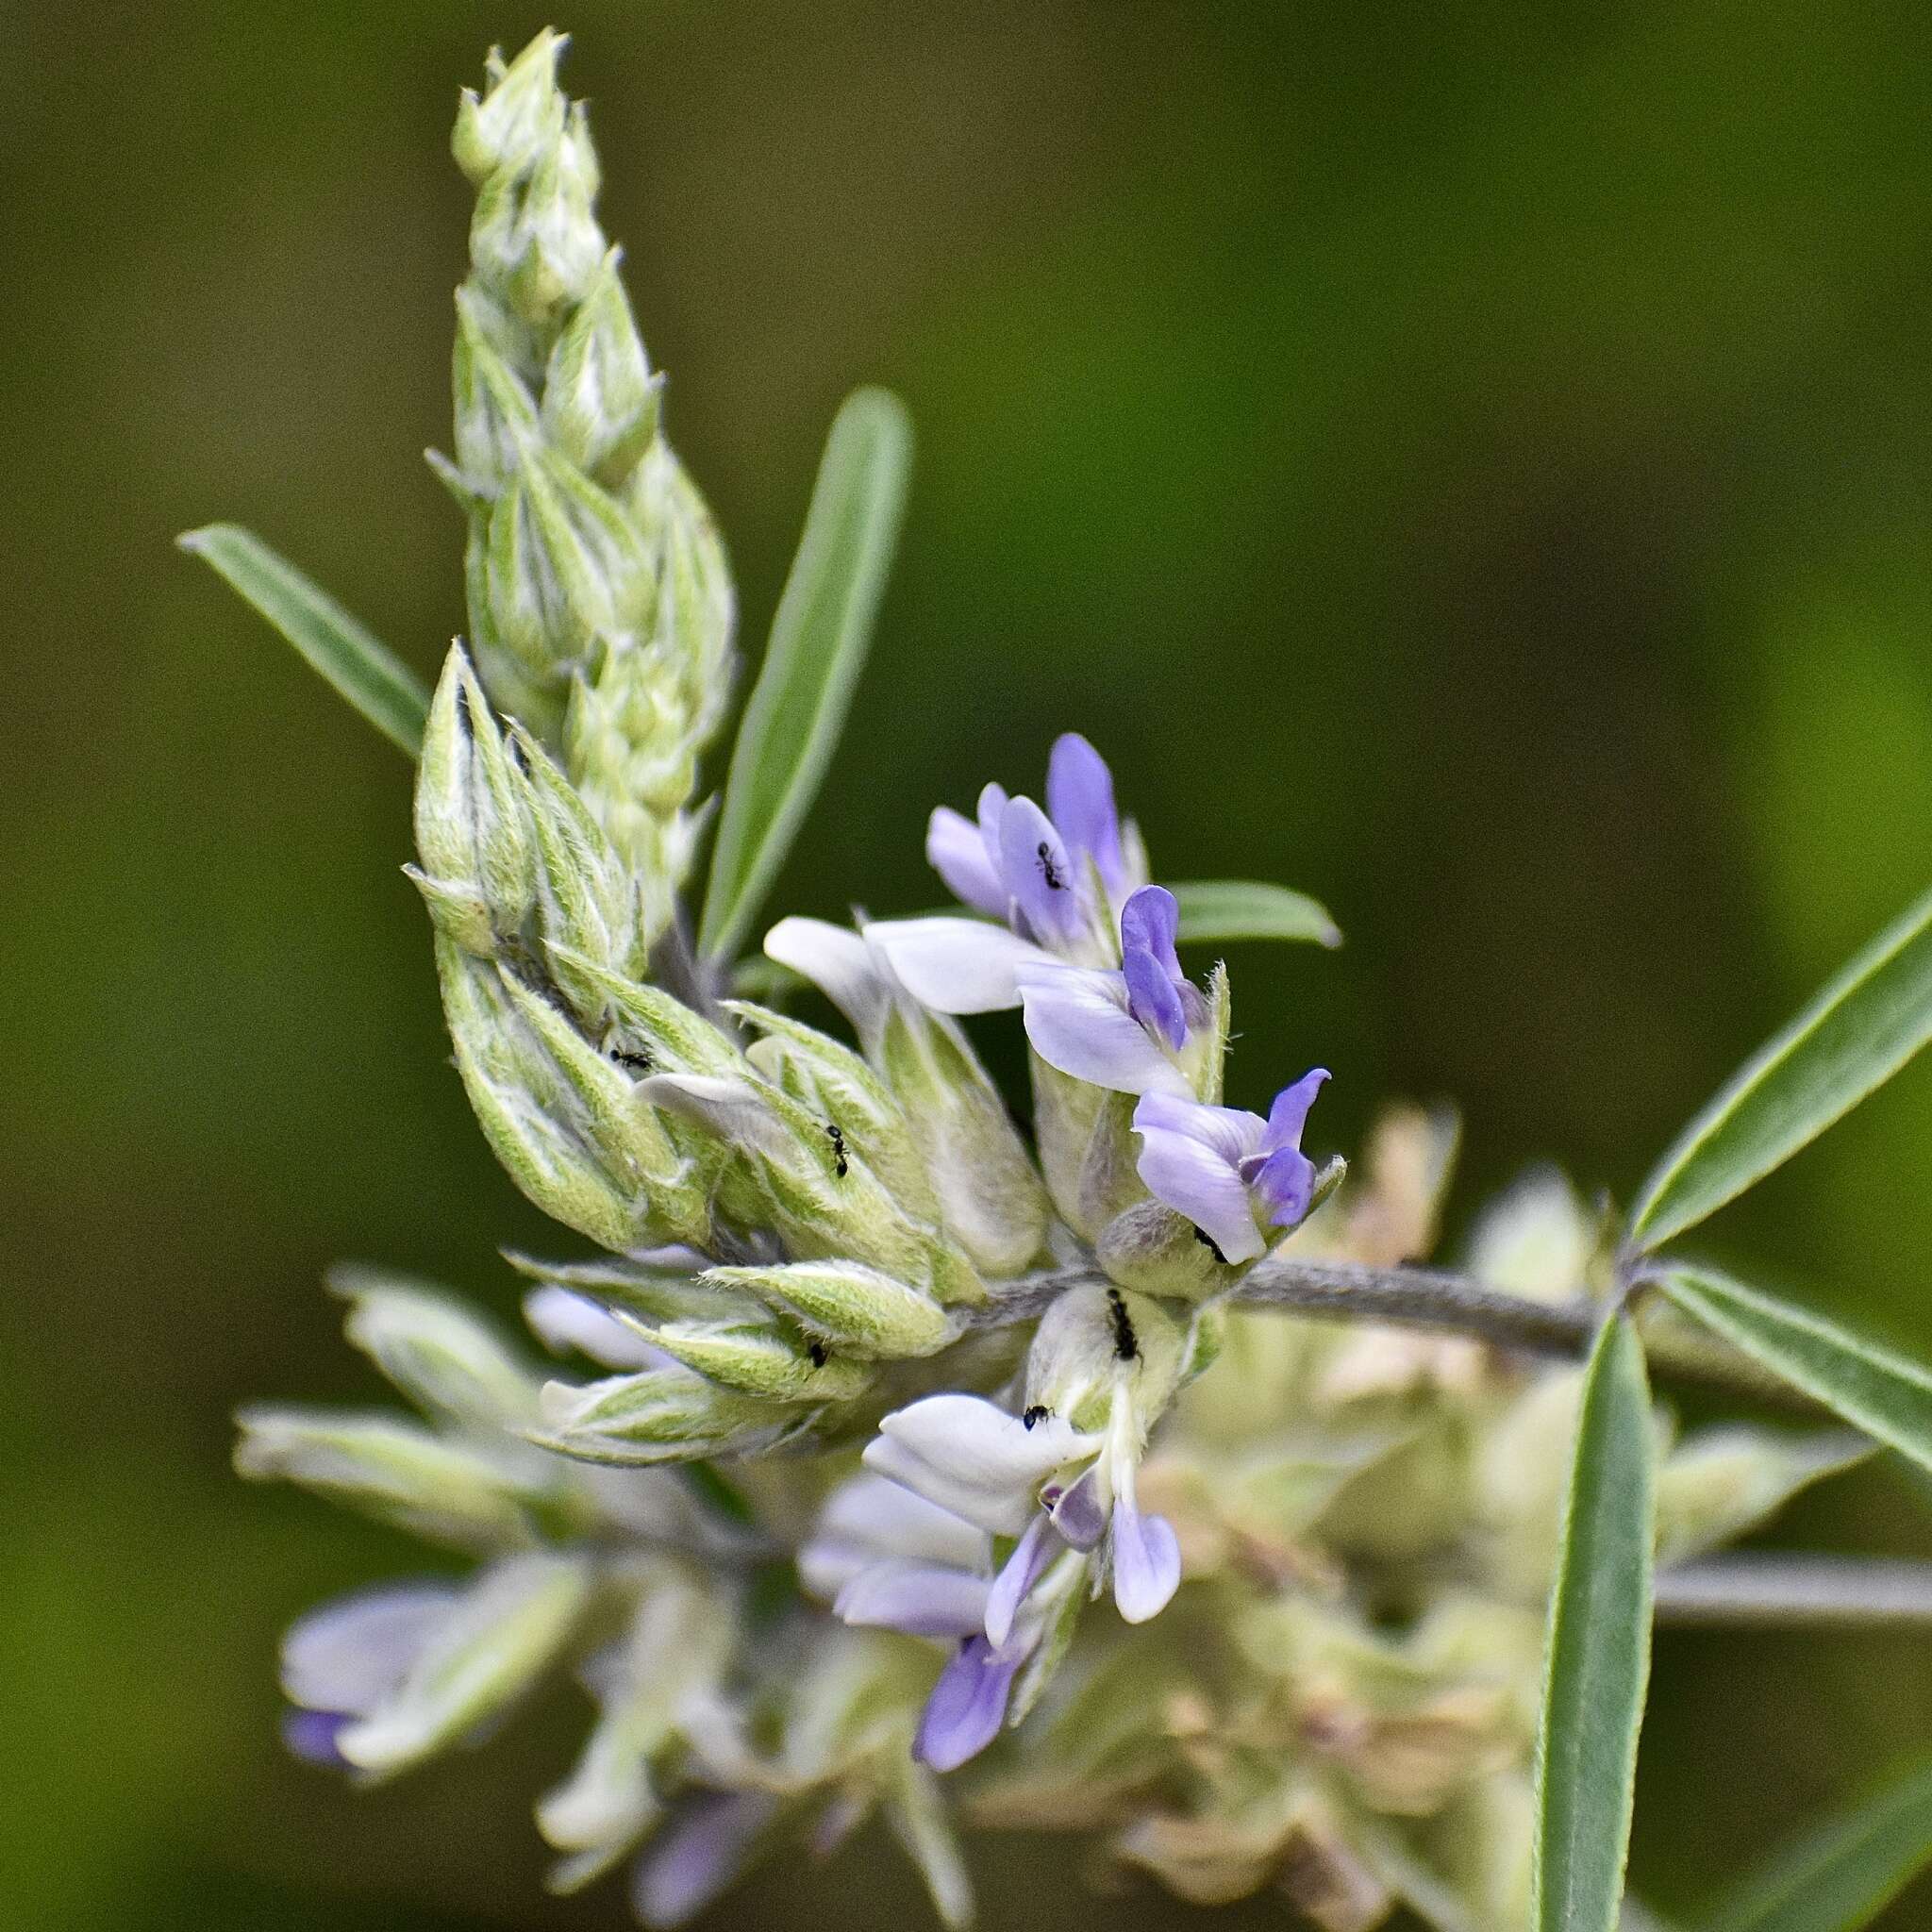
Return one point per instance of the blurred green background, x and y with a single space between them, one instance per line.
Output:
1474 462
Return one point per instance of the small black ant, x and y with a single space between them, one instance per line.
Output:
1124 1346
837 1135
1048 870
1037 1413
816 1350
634 1062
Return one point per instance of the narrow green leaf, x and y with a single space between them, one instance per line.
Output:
1243 910
1884 1395
1859 1032
819 639
362 668
1840 1874
1597 1654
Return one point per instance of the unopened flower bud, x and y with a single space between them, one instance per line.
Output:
600 399
495 419
812 1187
989 1192
440 1354
859 1309
662 1415
478 865
559 1116
397 1472
588 899
565 566
836 1085
761 1358
519 115
535 237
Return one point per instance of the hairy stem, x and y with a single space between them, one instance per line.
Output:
1454 1304
1773 1591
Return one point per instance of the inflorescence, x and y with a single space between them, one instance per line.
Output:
897 1437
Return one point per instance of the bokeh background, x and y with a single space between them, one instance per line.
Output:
1474 462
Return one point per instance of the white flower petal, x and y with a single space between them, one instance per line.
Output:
969 1456
840 963
1078 1020
562 1320
956 965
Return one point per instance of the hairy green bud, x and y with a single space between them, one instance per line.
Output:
397 1472
989 1192
859 1309
835 1084
519 115
445 1359
661 1415
600 399
562 1117
479 873
761 1358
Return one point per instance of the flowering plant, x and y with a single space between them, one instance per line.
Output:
1128 1459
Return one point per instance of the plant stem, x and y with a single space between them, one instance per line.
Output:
1454 1304
1772 1590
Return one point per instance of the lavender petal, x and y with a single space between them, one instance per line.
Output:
956 851
967 1706
921 1599
1146 1562
1192 1179
1285 1184
346 1656
1018 1574
869 1518
1151 923
1038 873
1289 1113
1080 1515
1152 998
1079 800
1228 1132
703 1850
311 1734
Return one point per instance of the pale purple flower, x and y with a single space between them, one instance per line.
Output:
889 1559
1123 1029
348 1656
699 1854
970 1457
1032 871
968 1705
1230 1172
